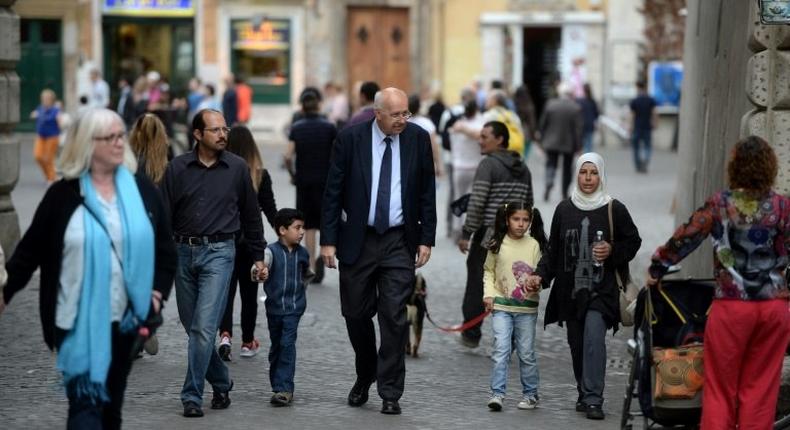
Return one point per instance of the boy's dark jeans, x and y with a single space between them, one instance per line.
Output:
83 414
282 355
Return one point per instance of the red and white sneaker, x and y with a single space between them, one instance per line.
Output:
249 349
224 346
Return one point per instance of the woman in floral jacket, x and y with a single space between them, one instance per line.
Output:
749 323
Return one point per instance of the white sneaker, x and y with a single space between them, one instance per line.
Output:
250 349
529 402
495 403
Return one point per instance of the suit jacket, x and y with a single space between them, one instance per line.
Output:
561 126
346 202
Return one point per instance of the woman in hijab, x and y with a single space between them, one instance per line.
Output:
582 260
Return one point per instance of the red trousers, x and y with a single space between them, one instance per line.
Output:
745 345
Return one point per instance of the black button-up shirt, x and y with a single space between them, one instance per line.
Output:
205 201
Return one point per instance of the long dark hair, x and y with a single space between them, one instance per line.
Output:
241 143
500 225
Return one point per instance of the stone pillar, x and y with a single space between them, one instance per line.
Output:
768 89
715 57
9 117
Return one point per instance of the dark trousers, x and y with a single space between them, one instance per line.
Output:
248 290
473 296
552 159
587 340
379 282
83 413
642 148
282 354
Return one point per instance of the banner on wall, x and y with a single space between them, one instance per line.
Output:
149 8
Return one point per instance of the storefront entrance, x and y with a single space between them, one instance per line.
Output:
134 46
541 63
40 65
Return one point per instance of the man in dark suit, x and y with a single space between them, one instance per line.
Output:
379 218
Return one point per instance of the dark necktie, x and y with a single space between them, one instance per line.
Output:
381 221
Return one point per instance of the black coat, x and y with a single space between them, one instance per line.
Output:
348 186
559 262
42 246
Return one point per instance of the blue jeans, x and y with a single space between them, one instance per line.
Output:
202 282
282 355
640 142
587 141
512 328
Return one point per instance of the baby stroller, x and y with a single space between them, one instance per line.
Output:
666 370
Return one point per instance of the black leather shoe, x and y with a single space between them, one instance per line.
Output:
192 410
221 400
390 407
594 412
359 393
581 406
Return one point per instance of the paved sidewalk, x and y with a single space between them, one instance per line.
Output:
446 388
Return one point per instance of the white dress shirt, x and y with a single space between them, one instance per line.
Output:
396 203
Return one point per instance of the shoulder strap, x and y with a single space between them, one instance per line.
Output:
611 222
611 237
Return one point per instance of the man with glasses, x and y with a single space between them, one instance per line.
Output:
210 197
379 219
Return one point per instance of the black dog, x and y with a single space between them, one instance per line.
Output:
415 311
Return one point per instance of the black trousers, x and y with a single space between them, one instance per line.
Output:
552 158
473 295
379 282
83 413
248 290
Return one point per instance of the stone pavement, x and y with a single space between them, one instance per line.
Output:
446 388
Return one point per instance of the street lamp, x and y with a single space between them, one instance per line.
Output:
775 12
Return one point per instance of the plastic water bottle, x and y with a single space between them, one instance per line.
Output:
598 239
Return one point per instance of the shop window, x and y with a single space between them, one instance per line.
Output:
24 31
261 55
50 32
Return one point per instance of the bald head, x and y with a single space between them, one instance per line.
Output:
392 110
386 96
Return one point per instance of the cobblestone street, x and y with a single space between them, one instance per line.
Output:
446 388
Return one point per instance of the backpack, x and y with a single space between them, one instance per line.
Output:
446 131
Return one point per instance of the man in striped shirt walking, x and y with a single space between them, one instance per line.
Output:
501 176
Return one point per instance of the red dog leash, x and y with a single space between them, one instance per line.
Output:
462 327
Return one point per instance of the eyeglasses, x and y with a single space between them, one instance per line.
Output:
217 130
110 138
400 115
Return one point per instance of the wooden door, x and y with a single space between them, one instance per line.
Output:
377 46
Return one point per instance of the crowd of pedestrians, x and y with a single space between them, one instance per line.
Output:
127 221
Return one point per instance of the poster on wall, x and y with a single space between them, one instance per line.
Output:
149 8
665 79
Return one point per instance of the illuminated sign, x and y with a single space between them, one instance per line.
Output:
270 35
149 8
775 11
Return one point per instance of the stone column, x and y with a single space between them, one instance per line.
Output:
768 89
9 117
715 59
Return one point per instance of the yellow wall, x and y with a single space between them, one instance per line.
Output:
462 57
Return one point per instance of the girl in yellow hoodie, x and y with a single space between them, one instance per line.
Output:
513 254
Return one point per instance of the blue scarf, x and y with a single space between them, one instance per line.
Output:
85 354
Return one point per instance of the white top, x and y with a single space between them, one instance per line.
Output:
464 150
396 203
72 266
425 123
100 94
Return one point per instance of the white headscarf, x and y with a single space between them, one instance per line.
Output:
599 197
